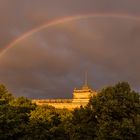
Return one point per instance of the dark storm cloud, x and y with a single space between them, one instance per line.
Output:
52 62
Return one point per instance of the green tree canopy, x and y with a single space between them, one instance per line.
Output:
5 95
82 125
46 123
24 103
117 111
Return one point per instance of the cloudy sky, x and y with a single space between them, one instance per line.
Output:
47 45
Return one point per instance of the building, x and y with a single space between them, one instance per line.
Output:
80 98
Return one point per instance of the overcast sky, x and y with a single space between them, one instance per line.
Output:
51 62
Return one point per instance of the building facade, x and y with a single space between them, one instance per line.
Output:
80 98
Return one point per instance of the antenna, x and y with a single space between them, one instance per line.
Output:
86 80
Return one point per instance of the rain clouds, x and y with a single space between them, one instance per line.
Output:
52 62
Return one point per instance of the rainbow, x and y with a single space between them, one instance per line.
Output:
60 21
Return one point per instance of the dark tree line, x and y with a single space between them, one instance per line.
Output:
114 114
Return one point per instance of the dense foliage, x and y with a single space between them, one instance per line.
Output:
114 114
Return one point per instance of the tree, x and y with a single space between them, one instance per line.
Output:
23 103
5 95
12 122
117 112
81 125
46 123
14 115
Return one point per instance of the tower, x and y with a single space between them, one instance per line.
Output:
82 96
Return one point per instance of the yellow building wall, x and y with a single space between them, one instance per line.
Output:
80 98
61 105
